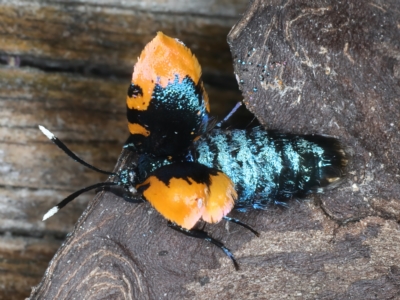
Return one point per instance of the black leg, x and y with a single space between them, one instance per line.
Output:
236 221
280 203
203 235
219 124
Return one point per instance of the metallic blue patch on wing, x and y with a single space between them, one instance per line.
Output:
178 95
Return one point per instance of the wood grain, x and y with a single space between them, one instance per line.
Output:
67 66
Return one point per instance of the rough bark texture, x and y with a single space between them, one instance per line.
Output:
330 68
305 66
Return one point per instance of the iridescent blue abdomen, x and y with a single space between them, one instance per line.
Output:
272 167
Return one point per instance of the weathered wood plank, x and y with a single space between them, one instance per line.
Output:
107 37
67 65
22 261
34 174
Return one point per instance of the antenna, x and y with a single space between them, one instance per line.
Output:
71 154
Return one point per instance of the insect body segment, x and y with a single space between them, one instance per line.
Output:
167 106
190 173
186 192
272 167
265 167
183 192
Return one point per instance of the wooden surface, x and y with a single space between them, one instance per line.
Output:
68 66
330 68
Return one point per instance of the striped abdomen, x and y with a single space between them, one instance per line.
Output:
272 167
